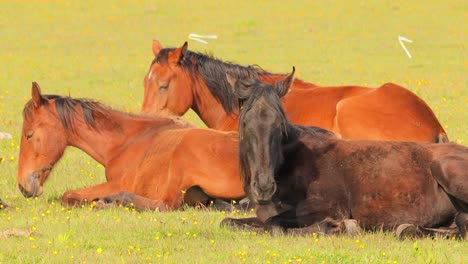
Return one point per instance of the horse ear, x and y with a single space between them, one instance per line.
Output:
157 47
282 86
232 82
238 87
178 55
36 95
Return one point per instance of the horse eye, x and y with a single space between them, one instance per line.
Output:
163 87
29 136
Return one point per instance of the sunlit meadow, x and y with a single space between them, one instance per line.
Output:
102 50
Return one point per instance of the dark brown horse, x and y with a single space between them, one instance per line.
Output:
301 176
149 161
179 79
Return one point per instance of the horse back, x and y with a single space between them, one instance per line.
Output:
394 179
373 181
389 112
303 105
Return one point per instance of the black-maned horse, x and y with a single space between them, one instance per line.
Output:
306 179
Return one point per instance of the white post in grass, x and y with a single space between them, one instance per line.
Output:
4 135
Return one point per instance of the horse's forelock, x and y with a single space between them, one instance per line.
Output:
163 56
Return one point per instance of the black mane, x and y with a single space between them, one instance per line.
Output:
97 115
213 72
65 106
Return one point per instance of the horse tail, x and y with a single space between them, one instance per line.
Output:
442 138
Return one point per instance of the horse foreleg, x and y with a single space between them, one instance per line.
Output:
411 231
328 226
93 193
289 223
252 224
138 202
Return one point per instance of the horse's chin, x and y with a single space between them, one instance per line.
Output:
263 202
38 191
255 199
264 199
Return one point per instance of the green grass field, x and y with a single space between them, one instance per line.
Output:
102 50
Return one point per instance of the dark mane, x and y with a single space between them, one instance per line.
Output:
90 110
213 72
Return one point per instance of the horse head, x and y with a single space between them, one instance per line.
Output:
43 141
167 83
262 127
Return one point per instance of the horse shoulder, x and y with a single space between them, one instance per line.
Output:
210 158
205 144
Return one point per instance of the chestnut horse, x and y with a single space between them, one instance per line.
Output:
179 79
149 161
314 175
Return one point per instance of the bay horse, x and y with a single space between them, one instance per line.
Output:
149 161
301 176
179 79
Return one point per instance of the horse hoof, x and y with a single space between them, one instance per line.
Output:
405 231
352 227
101 204
461 220
276 230
230 223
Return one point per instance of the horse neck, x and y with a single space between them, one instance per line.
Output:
105 140
211 111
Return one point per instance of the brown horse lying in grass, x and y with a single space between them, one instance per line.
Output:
149 161
305 179
179 79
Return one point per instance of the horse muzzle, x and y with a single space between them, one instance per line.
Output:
33 186
262 194
34 190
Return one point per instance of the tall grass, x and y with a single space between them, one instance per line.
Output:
102 50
